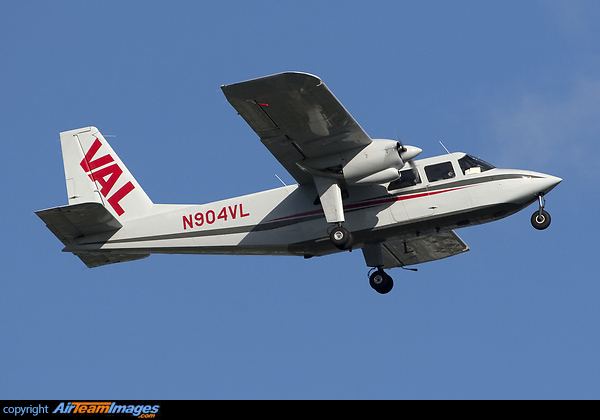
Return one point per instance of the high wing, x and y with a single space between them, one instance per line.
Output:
296 117
413 251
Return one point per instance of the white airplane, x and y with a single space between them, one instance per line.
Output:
353 192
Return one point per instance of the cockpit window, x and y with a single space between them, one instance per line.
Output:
472 165
440 171
408 178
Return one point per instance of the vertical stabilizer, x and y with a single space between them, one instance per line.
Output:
94 173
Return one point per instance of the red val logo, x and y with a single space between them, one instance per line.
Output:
105 171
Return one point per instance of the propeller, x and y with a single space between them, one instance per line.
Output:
407 154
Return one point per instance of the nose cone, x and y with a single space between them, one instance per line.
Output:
545 183
410 152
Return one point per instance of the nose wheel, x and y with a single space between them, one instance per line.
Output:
541 218
381 282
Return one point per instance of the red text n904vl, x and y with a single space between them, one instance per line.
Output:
210 216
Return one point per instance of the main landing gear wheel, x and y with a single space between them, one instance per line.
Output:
341 238
381 282
540 219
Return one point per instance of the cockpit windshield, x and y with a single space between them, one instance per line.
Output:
472 165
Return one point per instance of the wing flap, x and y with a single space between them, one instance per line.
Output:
415 250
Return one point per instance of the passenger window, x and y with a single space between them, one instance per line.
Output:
408 178
440 171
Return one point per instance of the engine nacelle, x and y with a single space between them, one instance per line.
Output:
382 177
377 163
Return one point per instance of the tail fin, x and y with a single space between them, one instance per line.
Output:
94 173
103 195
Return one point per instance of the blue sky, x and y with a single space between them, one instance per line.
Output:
515 83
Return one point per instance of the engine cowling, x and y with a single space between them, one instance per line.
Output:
378 163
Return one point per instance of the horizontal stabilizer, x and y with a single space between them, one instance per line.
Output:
69 223
103 258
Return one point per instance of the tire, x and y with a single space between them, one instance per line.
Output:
341 238
540 222
381 282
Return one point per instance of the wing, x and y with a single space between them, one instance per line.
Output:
296 117
414 251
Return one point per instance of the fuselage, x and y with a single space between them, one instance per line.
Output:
443 192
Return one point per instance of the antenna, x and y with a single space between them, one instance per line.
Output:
444 147
280 180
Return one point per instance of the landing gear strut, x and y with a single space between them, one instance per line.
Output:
541 218
380 281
